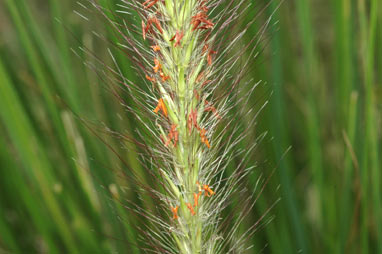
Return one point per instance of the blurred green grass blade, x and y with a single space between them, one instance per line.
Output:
16 183
57 10
344 55
82 169
41 75
54 53
7 239
371 137
31 152
313 123
346 112
346 207
35 64
365 199
280 144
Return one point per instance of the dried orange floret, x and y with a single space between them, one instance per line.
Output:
175 212
203 6
149 3
206 82
196 199
199 19
155 48
189 206
164 77
178 36
207 191
196 94
157 67
148 28
156 23
150 78
204 138
172 135
209 56
192 120
161 106
212 109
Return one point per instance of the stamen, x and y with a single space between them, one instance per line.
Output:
196 199
192 121
164 77
212 109
150 78
200 18
175 212
209 56
189 206
178 36
204 138
149 3
157 67
207 191
161 106
155 48
172 135
196 94
157 24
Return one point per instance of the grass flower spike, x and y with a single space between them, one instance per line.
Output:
184 52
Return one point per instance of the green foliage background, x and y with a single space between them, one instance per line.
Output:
323 63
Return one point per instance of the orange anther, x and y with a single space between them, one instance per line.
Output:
172 135
161 106
189 206
207 191
205 48
201 76
175 212
157 24
206 82
155 48
192 120
148 28
150 78
211 108
196 94
206 142
204 138
196 199
201 18
149 3
157 67
178 36
203 6
164 77
209 56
